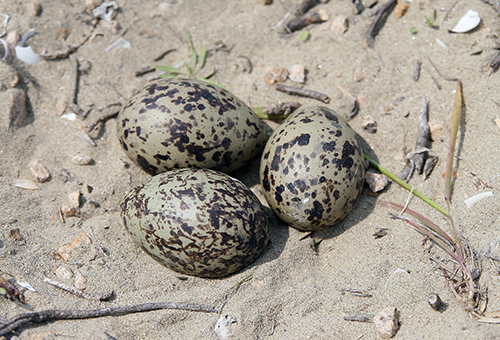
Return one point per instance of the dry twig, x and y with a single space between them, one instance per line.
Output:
302 92
378 21
78 292
20 320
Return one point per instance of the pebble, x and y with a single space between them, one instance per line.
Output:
297 74
12 109
39 171
80 281
80 159
63 273
74 199
387 322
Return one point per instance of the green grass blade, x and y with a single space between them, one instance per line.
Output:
213 83
203 57
189 70
192 52
259 111
457 113
406 186
168 69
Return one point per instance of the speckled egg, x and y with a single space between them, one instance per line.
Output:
196 221
189 123
312 169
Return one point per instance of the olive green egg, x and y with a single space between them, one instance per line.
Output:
189 123
312 169
196 221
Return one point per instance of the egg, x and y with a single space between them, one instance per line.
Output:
189 123
196 221
312 169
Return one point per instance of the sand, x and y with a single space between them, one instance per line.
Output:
296 290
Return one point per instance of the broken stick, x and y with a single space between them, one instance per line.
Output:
378 21
10 325
302 92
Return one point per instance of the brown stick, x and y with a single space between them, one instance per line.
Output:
494 64
161 55
303 7
302 92
78 292
305 20
374 27
102 118
51 315
359 317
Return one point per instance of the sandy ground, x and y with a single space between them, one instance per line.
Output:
294 292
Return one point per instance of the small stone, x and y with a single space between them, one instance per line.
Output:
80 159
434 301
13 38
369 124
74 199
340 24
39 171
358 76
376 182
267 2
276 75
80 281
297 73
16 234
69 211
12 108
37 9
387 322
64 273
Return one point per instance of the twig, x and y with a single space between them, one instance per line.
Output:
52 315
302 92
356 292
78 292
144 70
359 317
102 118
416 70
62 54
381 16
494 3
303 7
161 55
73 87
422 143
305 20
11 292
494 64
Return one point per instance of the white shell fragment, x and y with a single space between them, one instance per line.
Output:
69 116
474 199
120 43
26 285
441 43
468 22
26 54
26 184
223 327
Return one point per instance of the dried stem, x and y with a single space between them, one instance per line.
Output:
50 315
